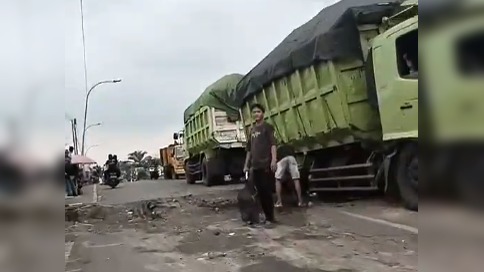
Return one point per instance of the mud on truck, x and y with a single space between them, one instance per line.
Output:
214 142
343 90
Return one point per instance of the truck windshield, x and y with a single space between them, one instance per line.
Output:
179 152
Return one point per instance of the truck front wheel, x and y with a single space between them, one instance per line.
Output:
407 176
469 178
168 173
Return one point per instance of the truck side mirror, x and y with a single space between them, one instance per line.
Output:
175 136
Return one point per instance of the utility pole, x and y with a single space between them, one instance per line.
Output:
75 139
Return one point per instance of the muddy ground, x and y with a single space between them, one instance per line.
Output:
204 233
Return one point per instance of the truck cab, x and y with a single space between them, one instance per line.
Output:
451 47
395 68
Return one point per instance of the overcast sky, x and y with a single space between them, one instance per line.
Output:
165 51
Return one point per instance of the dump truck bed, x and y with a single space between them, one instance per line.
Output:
313 85
210 128
320 106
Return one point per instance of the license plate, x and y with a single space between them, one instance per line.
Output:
227 178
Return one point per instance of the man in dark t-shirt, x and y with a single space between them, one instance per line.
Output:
261 160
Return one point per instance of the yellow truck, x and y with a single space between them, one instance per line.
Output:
172 160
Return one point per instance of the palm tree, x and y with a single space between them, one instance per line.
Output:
137 157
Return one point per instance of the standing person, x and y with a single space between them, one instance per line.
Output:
70 175
261 160
287 164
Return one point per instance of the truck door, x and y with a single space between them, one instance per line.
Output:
454 77
395 57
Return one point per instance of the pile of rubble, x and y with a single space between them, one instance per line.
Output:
215 204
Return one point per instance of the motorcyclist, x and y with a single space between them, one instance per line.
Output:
116 163
111 165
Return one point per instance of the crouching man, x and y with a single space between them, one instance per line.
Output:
287 164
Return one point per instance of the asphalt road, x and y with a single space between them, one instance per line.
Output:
366 235
149 189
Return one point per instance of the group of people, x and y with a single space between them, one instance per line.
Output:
264 161
73 172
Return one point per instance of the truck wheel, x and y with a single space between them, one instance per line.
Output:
208 176
407 176
188 177
469 182
168 173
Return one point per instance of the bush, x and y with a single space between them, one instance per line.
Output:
143 174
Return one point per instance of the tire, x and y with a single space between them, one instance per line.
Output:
114 184
407 176
209 178
188 177
168 173
469 181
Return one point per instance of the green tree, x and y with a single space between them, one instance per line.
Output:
137 157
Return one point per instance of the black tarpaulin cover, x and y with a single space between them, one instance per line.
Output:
331 34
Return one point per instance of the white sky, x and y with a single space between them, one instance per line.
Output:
166 52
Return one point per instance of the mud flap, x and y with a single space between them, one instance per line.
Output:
386 167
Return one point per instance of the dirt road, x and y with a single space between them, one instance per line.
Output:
183 227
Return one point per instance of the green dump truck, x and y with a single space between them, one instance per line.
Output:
343 90
214 139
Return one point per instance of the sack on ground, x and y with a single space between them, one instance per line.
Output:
248 204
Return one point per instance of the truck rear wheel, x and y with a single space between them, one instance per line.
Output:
209 176
407 176
189 177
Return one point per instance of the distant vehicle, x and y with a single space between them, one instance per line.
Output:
172 158
214 142
154 173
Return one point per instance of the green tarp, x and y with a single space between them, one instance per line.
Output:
217 96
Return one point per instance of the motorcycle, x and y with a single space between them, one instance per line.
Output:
113 180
